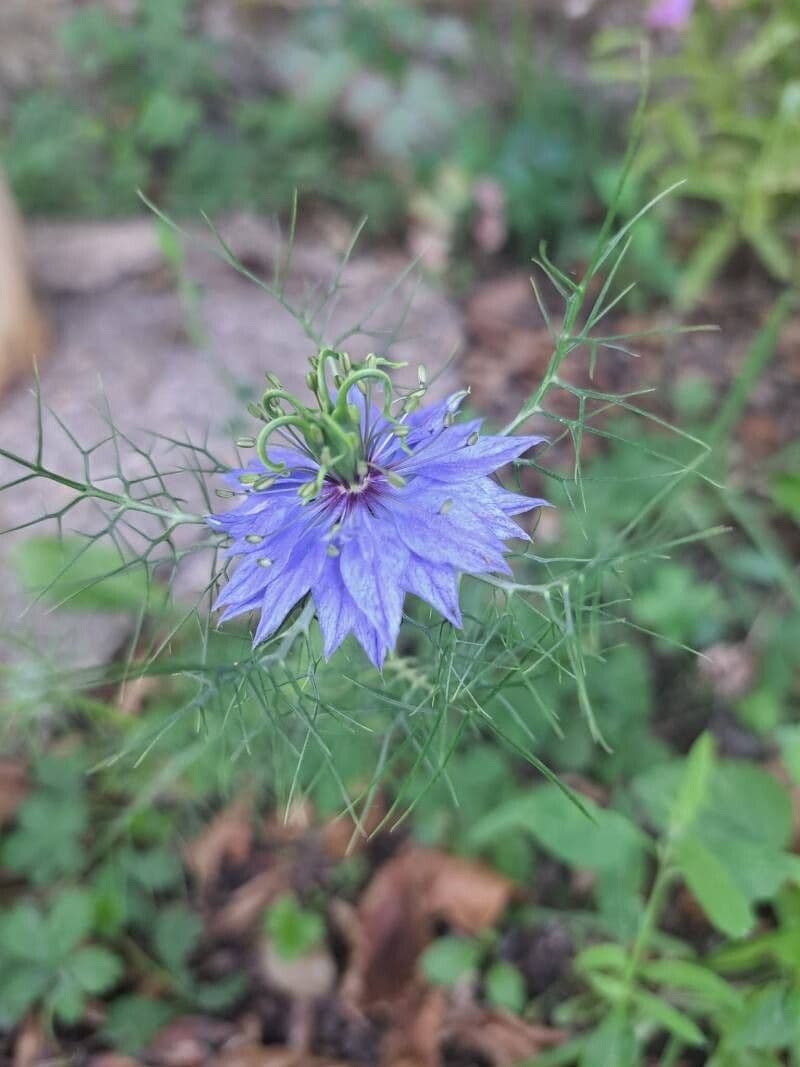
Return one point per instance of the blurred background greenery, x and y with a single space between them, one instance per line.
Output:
471 132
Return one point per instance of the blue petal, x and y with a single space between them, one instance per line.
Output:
336 612
299 575
372 564
478 459
436 584
455 539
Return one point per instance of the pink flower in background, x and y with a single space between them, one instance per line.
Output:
669 14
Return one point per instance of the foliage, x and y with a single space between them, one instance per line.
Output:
726 118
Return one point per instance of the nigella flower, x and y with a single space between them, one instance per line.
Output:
357 507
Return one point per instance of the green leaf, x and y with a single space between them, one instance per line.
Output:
156 868
505 987
603 840
132 1021
694 786
664 1014
24 934
46 843
692 978
448 959
69 921
80 575
67 1001
219 995
613 1042
293 930
176 935
722 901
607 957
20 988
95 969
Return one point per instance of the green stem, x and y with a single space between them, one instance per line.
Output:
120 500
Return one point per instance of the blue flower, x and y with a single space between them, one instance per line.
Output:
417 510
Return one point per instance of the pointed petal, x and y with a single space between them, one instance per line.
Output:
435 584
372 564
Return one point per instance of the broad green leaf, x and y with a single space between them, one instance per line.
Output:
67 1000
81 576
24 934
613 1042
176 934
95 969
69 921
694 785
663 1013
603 840
505 987
132 1021
449 959
693 978
607 957
722 901
20 987
294 930
770 1019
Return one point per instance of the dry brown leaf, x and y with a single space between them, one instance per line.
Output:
13 788
134 694
397 912
188 1041
501 1038
228 837
246 903
30 1046
24 336
415 1035
266 1056
113 1059
340 836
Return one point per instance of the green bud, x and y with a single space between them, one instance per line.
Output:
273 380
256 412
443 510
248 479
362 469
362 387
254 539
346 363
473 438
449 419
264 482
314 434
326 457
311 381
411 403
245 442
332 550
422 374
265 562
224 494
397 480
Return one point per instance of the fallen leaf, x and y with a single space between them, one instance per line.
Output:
24 335
227 838
415 1035
397 913
13 788
341 838
188 1040
246 904
134 694
497 1036
265 1056
30 1047
112 1059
